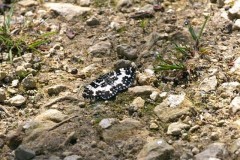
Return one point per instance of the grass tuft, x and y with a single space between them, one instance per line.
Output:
18 44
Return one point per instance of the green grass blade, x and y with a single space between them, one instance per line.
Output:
38 43
192 32
10 56
48 34
170 67
203 26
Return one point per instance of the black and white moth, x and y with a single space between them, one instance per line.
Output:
108 85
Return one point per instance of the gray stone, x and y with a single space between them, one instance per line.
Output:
127 51
209 84
93 21
90 69
124 3
50 115
107 122
156 150
167 114
122 130
28 3
235 104
73 157
101 48
121 63
147 8
154 37
215 150
235 146
67 10
23 153
214 136
142 90
176 128
54 158
2 95
29 82
55 90
17 100
3 74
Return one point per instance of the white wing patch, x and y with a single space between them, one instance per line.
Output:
108 85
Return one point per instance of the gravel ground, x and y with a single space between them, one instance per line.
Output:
186 113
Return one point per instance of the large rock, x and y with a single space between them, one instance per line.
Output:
101 48
213 151
23 153
173 107
157 149
67 10
122 130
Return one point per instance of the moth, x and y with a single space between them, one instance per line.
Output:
110 84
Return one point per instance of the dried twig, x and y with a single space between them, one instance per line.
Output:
59 99
61 123
5 110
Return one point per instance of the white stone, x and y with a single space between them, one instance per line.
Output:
107 122
236 65
236 25
17 100
67 10
154 95
235 104
208 84
175 100
28 3
15 83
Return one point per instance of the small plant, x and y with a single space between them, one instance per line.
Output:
196 37
15 44
167 65
143 24
100 3
183 52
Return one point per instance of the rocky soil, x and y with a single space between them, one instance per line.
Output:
166 115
